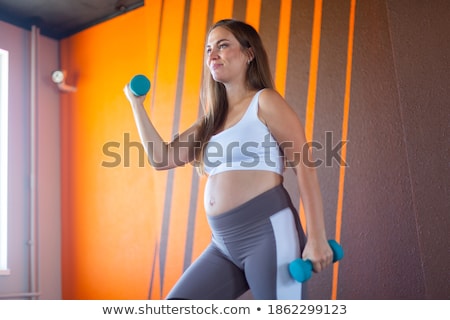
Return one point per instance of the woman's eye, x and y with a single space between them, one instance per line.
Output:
221 46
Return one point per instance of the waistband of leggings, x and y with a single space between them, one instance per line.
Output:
262 206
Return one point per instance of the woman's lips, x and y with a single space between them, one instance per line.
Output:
216 66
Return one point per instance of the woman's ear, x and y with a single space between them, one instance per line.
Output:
250 54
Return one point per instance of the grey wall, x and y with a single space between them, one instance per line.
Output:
421 55
17 42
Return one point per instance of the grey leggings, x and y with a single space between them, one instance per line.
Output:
251 248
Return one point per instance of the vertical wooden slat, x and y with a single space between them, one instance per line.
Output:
348 79
314 66
176 213
187 110
283 46
193 76
155 285
165 91
239 10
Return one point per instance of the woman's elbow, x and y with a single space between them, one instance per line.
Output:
160 166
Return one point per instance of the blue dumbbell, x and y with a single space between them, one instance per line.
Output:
139 85
301 270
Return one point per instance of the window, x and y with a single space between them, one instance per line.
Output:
3 162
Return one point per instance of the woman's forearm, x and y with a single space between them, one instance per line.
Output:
312 202
154 145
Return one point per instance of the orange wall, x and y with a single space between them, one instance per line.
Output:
109 221
130 231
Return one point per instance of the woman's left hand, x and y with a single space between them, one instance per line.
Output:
319 253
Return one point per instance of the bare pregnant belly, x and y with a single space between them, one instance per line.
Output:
227 190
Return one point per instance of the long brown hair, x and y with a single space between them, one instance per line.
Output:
213 94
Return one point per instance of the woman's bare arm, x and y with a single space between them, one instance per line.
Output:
162 155
287 129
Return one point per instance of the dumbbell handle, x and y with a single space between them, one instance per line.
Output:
301 270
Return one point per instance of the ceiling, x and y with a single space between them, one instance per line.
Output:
58 19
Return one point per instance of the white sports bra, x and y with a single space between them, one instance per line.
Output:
247 145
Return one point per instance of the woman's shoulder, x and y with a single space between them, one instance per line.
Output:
278 115
271 101
268 92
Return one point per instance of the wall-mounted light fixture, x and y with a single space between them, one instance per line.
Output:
58 77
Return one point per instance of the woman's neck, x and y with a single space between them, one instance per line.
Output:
235 94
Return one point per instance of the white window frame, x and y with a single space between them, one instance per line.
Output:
4 67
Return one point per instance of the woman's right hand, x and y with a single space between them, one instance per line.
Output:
133 99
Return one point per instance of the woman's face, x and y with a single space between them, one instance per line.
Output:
224 57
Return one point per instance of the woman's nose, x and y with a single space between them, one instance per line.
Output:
212 56
212 53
